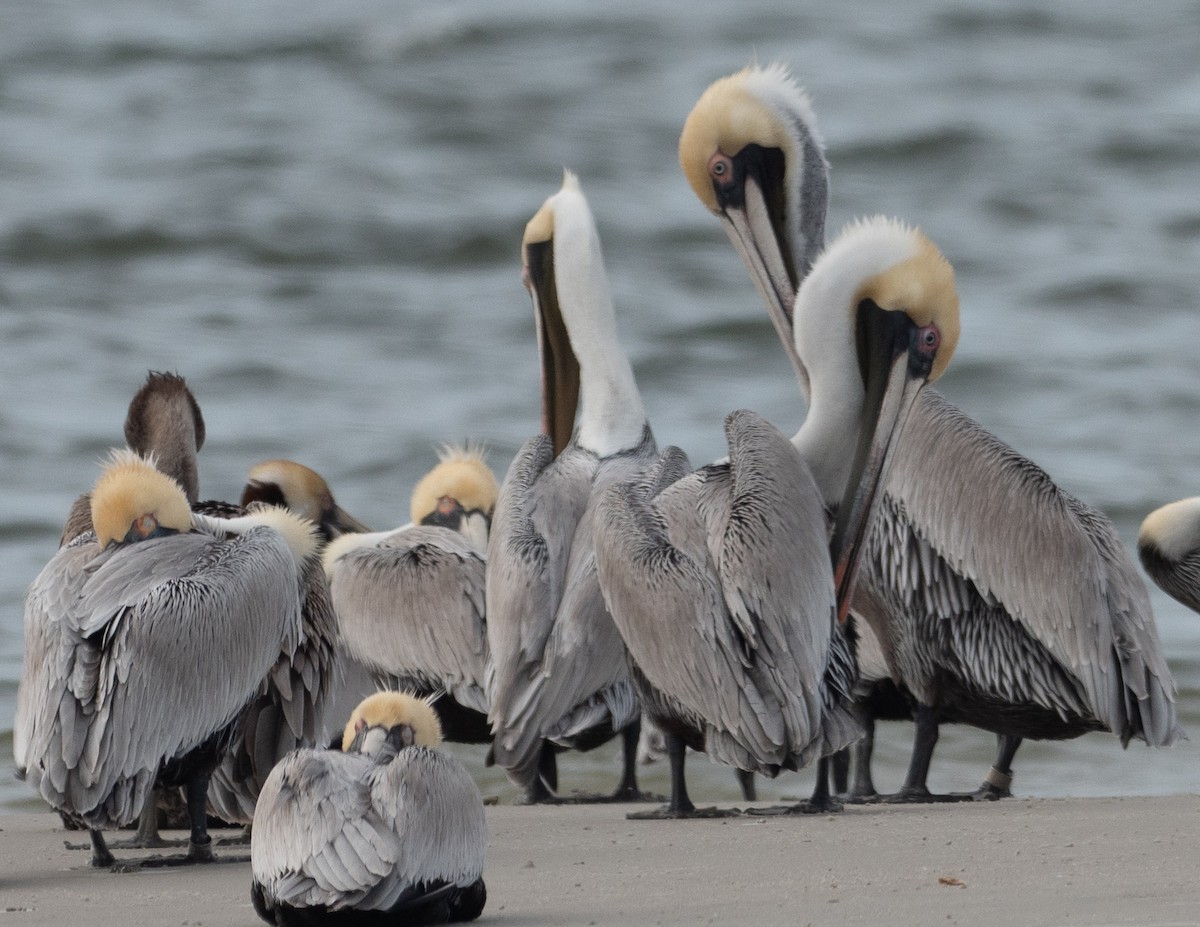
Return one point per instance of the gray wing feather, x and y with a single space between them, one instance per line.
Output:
156 647
540 503
289 710
413 606
1055 566
559 661
341 830
709 586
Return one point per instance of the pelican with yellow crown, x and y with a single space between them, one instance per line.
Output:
410 602
998 599
1169 548
304 491
388 829
560 675
724 584
144 642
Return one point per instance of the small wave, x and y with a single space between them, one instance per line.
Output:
1143 152
948 143
1099 290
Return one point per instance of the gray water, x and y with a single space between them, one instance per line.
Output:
313 212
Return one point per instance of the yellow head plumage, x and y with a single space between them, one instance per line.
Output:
730 115
132 494
387 709
304 490
462 474
921 285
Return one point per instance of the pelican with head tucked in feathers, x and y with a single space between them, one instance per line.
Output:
722 583
164 423
1169 548
304 491
389 831
144 643
559 670
410 602
998 599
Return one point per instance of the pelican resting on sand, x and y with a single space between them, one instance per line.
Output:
144 643
410 602
559 669
391 831
998 599
1169 548
722 584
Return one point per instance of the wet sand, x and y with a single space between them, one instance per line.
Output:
1048 862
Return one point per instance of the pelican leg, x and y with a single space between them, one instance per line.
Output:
840 764
862 788
627 789
914 790
821 801
680 805
746 781
200 844
997 783
102 857
544 786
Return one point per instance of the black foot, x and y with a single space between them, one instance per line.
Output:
808 806
922 796
165 862
624 795
854 797
242 839
146 843
989 792
997 783
679 814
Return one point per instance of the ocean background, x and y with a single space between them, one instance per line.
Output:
313 212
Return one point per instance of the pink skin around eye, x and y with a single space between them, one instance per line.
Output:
928 339
720 168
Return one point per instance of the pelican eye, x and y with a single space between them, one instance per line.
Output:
928 339
720 167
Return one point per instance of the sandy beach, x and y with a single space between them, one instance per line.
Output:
1046 862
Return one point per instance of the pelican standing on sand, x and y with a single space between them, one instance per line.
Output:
144 643
998 599
722 585
389 831
410 602
1169 548
560 671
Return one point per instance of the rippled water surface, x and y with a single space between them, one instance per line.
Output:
313 212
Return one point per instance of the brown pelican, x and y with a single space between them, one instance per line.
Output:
163 420
721 584
145 641
559 669
410 602
304 491
999 599
389 831
1169 548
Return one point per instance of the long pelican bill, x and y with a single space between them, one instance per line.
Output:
896 357
753 206
560 367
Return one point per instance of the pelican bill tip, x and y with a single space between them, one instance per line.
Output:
387 709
